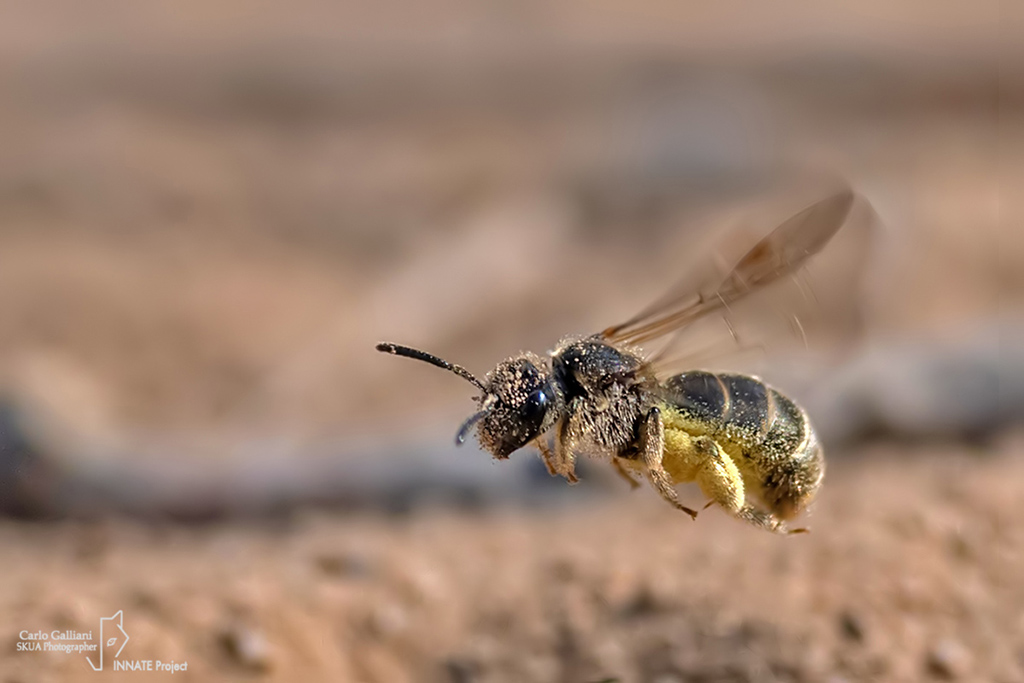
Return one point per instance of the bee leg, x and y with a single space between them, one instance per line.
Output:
560 463
717 475
547 456
621 471
565 458
767 521
720 480
652 446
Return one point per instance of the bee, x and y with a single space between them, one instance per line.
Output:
750 449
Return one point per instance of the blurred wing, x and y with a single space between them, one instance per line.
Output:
714 285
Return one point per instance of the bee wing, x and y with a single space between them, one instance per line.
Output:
716 283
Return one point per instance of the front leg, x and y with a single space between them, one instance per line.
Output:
565 453
652 446
561 462
547 456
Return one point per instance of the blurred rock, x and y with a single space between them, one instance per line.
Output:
924 388
29 477
851 627
948 659
344 565
246 647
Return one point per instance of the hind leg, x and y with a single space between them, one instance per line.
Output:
720 480
652 447
765 520
717 475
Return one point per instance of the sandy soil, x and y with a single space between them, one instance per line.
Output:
911 572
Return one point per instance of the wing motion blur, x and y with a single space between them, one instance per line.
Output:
714 286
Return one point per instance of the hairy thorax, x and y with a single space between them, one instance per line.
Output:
607 391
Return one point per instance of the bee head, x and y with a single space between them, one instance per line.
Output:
516 406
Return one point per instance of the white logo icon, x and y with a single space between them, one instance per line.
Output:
111 633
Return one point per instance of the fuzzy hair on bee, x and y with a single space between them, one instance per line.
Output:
750 449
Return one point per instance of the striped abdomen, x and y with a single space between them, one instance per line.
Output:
767 435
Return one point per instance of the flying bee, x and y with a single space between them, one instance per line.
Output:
750 449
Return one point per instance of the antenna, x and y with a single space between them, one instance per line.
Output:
396 350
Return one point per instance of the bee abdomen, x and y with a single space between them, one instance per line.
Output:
739 407
772 434
699 396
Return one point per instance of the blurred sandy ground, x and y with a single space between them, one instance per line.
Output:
208 215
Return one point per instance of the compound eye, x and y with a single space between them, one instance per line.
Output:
536 406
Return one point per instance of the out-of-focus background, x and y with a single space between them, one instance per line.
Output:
210 213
